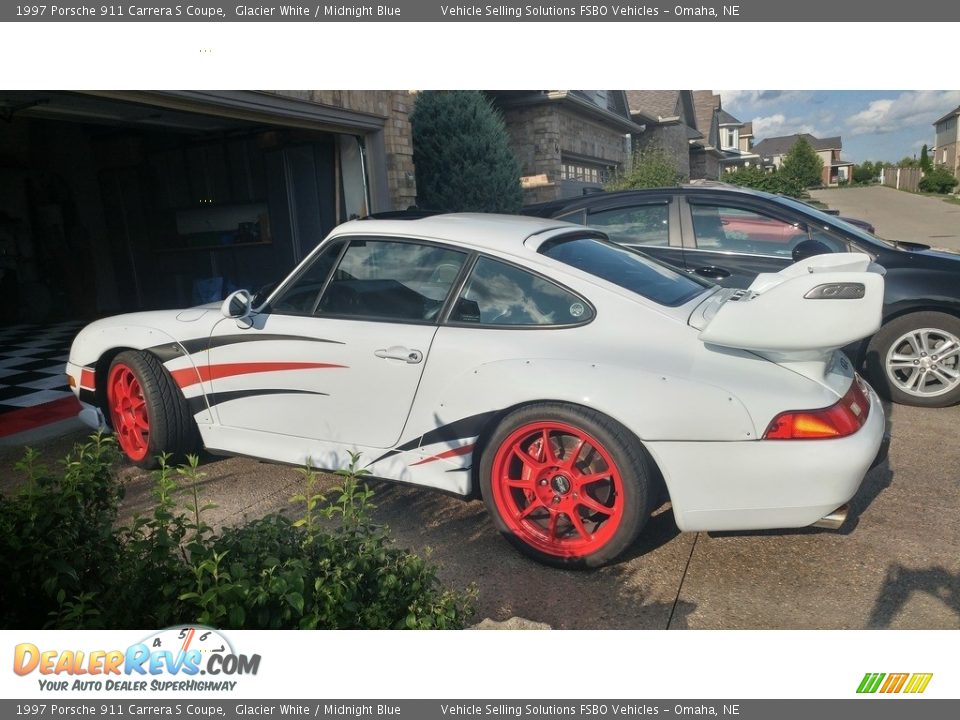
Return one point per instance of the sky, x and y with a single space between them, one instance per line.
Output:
873 124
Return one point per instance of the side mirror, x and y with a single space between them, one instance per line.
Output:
238 305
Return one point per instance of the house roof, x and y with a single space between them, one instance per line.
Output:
782 145
726 118
654 104
705 103
948 115
747 129
612 110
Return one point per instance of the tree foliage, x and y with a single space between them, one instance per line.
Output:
651 168
462 155
803 165
925 164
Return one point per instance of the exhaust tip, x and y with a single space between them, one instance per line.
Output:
834 520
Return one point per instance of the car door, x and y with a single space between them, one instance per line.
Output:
338 352
651 226
730 243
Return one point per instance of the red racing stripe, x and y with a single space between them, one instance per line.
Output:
463 450
190 376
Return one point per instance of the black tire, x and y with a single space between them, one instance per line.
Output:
169 428
544 528
890 381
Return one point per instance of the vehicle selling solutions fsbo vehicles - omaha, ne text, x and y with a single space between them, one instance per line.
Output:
567 380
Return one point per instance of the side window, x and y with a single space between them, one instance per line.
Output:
391 280
637 225
828 238
501 294
300 296
744 231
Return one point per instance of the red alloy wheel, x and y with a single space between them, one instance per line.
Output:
557 489
128 412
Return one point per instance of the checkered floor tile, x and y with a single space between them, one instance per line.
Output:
32 362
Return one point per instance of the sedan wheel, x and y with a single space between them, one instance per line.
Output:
920 358
566 486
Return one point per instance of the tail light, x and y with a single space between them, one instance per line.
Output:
839 420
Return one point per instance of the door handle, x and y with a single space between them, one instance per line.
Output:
396 352
712 271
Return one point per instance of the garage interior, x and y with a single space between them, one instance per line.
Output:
134 201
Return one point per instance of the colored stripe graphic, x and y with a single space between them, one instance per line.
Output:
190 376
87 378
895 683
446 454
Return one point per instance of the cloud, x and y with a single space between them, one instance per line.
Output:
779 124
759 98
889 115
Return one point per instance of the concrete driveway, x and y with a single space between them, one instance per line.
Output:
899 215
896 564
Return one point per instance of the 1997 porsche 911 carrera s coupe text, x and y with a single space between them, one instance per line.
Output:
568 381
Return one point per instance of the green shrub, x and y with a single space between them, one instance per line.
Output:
759 179
65 565
461 154
651 168
938 180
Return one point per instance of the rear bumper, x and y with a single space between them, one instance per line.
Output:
764 484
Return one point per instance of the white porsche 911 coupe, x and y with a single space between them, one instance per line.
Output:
568 381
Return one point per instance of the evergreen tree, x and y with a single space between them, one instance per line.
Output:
461 154
803 165
925 163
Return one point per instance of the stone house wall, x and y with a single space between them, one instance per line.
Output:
672 141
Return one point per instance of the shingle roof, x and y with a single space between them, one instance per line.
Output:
747 129
726 118
654 103
705 102
782 145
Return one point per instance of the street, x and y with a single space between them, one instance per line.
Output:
899 215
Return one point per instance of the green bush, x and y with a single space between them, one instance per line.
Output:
759 179
461 154
938 180
65 565
802 165
651 168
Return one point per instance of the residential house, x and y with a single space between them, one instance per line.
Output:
693 129
567 141
773 150
119 201
947 149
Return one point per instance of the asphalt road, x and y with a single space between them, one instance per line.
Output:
895 564
899 215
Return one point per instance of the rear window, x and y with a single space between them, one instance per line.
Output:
624 267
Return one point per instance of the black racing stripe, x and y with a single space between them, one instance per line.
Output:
197 404
464 428
169 351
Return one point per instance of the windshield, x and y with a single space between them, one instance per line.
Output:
833 220
625 267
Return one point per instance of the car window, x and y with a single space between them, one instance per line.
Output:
731 229
636 225
829 238
391 280
300 296
624 267
500 294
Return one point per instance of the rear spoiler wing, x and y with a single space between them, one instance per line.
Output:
818 304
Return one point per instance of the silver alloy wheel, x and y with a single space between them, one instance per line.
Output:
924 362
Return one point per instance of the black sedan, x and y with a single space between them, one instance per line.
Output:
729 235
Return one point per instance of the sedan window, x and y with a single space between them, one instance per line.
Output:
636 225
299 297
624 267
501 294
730 229
391 280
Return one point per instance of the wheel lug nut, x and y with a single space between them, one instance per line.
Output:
556 499
543 482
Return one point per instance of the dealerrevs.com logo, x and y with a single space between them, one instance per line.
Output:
894 683
172 659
